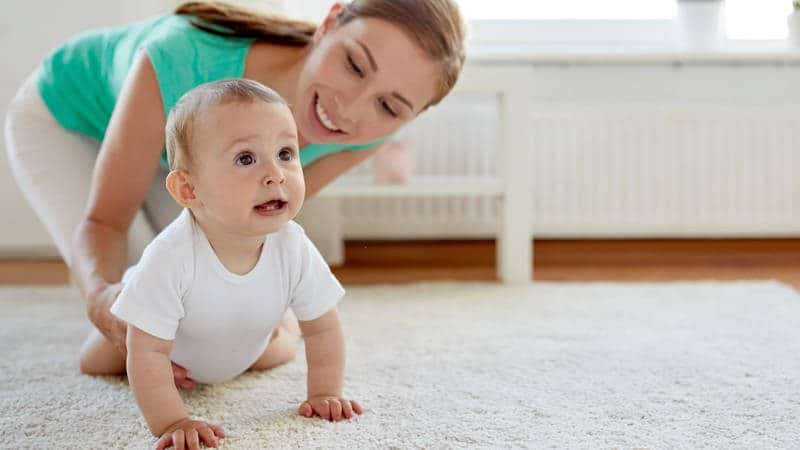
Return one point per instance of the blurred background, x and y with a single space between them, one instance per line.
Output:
631 139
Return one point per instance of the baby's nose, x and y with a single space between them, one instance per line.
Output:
273 177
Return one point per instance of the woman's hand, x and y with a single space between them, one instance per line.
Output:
99 311
115 329
188 433
330 408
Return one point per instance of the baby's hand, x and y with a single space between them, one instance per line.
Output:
187 434
330 408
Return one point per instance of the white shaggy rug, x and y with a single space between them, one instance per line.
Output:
693 365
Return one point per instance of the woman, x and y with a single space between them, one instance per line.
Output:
370 67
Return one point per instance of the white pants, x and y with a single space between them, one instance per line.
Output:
53 168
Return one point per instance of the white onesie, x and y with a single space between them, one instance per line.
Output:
220 322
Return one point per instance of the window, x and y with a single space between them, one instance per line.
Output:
568 9
757 20
565 23
633 24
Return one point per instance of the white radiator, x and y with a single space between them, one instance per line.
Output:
632 169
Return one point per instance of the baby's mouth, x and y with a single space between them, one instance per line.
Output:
271 206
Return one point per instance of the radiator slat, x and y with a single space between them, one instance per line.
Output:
605 171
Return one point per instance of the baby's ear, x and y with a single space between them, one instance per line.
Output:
179 185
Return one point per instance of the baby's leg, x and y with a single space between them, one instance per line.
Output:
283 344
100 357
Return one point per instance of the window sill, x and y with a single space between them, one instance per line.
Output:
757 53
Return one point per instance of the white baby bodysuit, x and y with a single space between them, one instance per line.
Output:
221 322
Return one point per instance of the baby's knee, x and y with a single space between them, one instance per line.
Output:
88 361
99 357
287 332
282 348
87 364
285 342
101 365
86 368
289 324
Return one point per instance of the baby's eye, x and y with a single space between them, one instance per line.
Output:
286 154
245 159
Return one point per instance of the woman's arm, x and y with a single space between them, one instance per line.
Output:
326 169
126 165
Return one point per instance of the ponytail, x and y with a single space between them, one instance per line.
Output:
230 20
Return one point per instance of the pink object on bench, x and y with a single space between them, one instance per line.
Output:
394 162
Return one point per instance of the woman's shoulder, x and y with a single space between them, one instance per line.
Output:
179 29
184 56
174 38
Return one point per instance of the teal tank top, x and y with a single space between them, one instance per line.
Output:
80 81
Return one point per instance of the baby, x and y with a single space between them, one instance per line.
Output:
212 288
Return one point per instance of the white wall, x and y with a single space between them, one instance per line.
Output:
29 29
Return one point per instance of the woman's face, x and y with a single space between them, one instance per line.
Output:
361 82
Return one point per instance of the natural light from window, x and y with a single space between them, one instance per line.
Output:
756 19
569 9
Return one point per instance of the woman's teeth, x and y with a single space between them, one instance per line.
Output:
323 118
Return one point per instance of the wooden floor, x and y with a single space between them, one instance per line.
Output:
372 262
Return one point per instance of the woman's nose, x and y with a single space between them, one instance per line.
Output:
348 107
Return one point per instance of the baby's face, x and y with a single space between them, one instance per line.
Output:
246 167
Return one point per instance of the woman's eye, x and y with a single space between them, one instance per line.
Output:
245 159
354 67
286 154
388 108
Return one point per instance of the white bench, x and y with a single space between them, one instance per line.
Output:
511 187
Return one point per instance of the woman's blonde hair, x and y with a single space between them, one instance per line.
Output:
181 118
436 26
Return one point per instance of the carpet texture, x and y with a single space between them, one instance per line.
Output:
450 365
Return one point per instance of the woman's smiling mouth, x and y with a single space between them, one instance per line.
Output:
325 123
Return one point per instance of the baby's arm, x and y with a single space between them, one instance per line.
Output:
325 356
150 376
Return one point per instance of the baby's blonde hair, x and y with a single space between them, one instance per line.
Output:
181 118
